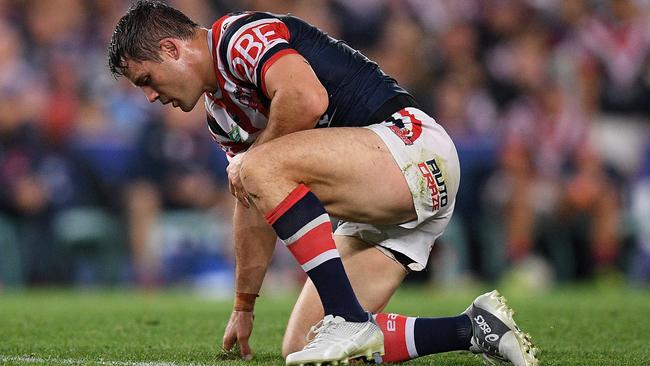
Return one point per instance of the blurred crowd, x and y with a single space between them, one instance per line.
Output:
548 102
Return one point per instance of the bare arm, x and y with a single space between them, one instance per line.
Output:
254 244
298 99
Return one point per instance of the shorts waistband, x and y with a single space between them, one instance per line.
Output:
392 105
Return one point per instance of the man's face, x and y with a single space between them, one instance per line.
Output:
169 81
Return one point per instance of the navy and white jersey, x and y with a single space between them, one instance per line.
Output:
245 45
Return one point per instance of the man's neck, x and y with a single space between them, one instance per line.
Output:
210 84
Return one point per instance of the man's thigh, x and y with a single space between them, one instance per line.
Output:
374 278
350 169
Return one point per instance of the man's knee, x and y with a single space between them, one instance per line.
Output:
257 166
292 344
264 165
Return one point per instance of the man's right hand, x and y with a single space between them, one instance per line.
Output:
234 181
238 331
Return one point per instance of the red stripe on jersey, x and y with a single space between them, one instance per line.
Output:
243 120
296 195
313 243
394 328
415 123
269 63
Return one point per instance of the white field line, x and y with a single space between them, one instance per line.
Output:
71 361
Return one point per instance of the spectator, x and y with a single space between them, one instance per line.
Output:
554 174
532 80
176 166
640 198
617 39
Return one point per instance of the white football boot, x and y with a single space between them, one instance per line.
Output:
336 341
496 335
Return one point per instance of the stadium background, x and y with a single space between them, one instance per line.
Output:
548 102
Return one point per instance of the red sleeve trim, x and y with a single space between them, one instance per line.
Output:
269 63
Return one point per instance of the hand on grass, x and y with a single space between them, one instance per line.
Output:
238 331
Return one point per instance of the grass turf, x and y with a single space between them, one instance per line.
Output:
572 326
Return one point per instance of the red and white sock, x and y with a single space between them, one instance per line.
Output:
301 221
406 338
399 336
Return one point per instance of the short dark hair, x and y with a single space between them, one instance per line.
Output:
138 32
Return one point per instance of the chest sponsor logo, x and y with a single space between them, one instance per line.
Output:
435 183
250 45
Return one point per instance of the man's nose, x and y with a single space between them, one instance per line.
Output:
151 94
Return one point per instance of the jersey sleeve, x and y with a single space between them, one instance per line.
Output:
252 44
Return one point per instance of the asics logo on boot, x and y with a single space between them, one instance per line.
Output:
487 331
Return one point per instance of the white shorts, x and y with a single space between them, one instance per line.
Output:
427 157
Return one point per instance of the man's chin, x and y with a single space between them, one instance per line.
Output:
184 107
187 107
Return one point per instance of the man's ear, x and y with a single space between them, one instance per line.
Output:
170 47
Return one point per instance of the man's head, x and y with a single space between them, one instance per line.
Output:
151 46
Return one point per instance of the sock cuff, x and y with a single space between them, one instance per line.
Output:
294 196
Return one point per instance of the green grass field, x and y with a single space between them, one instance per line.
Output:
572 326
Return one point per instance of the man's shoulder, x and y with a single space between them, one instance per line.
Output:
247 40
235 23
